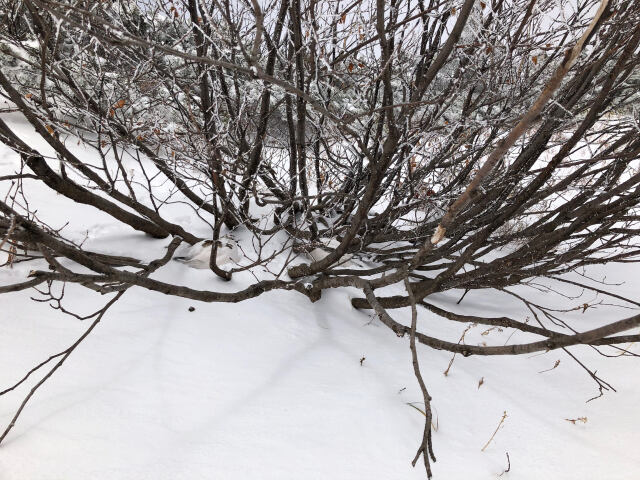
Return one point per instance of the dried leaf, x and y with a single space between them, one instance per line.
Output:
534 59
483 5
488 331
350 67
29 95
555 365
49 129
579 419
481 382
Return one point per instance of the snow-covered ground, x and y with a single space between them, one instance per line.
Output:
274 387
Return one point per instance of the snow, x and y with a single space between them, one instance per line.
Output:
274 387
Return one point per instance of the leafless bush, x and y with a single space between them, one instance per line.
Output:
421 136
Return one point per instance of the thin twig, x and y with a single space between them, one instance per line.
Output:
69 351
508 465
426 446
504 416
